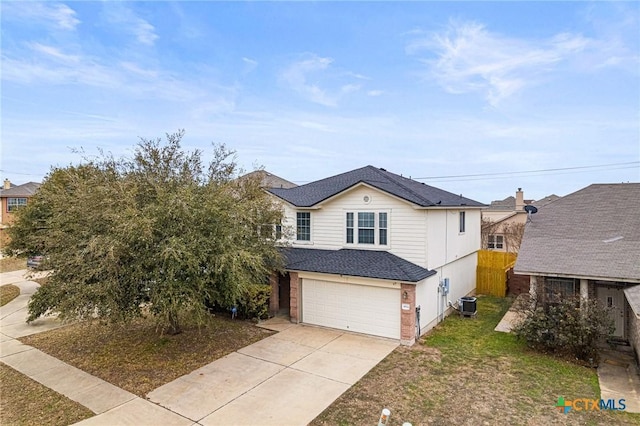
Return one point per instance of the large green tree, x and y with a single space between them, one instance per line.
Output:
157 233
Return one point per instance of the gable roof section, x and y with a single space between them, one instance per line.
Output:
269 180
356 263
508 203
410 190
591 233
24 190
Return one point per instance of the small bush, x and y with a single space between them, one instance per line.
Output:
254 303
565 328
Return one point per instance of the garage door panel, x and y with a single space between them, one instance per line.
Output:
358 308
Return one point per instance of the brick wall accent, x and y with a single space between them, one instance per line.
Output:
516 283
295 287
274 300
408 317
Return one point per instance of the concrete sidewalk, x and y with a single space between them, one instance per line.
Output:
115 406
619 379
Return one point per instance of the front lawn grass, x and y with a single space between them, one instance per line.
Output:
24 401
8 292
10 264
465 373
136 357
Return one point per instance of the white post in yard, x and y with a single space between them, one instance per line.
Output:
584 293
384 417
533 289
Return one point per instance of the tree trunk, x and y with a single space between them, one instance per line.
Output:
174 324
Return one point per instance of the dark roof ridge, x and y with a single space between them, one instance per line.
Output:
392 176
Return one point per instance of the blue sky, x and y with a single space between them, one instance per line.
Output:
308 90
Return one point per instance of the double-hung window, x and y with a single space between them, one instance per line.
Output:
382 228
367 228
14 204
303 226
350 228
462 222
495 242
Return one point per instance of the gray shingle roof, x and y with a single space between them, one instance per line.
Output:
594 232
356 263
24 190
410 190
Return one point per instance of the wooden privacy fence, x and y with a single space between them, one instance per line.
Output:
491 273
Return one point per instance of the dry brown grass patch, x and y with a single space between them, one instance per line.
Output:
10 264
136 357
8 292
24 401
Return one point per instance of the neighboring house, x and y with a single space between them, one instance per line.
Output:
587 243
503 221
269 180
369 247
12 198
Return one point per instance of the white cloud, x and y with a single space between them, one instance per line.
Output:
315 79
249 65
142 30
296 76
58 14
374 93
53 52
470 58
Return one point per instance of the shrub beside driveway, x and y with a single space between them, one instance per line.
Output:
465 373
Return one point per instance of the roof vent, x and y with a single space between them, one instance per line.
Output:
613 240
384 170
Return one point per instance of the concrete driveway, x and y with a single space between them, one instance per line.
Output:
286 379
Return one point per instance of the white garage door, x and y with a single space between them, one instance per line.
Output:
358 308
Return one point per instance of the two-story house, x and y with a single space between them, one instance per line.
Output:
370 247
503 221
12 198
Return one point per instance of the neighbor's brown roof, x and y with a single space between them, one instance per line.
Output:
592 233
24 190
269 180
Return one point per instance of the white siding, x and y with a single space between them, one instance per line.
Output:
446 243
427 237
407 231
462 282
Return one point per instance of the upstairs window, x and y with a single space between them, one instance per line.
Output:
14 204
382 229
366 228
462 222
370 228
495 242
349 228
303 226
